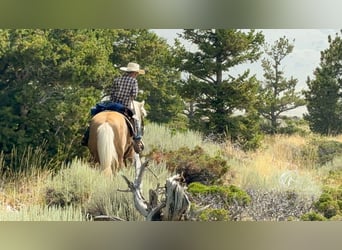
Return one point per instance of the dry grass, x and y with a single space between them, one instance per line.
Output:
23 189
276 166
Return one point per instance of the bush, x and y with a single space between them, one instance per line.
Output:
327 150
320 152
229 194
330 202
194 165
71 186
226 202
211 214
312 216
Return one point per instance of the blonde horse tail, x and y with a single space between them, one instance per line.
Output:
108 156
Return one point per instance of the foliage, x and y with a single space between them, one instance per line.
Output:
328 150
330 202
320 151
82 187
324 91
50 78
86 193
70 186
159 83
48 83
194 165
211 214
277 94
229 194
294 125
312 216
212 96
224 202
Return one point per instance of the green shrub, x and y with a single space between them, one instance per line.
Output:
330 202
72 185
320 152
337 217
211 214
328 150
313 216
228 194
193 164
294 126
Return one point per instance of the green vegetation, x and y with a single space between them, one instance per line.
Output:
230 194
216 98
194 165
330 202
313 216
272 191
323 94
50 78
277 93
212 214
320 151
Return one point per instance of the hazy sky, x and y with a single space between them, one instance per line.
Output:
308 43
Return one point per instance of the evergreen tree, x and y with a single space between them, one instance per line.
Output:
324 100
48 82
216 96
277 93
158 85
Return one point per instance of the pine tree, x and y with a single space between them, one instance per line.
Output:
324 100
158 85
277 93
220 95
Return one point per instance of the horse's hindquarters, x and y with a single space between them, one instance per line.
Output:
109 140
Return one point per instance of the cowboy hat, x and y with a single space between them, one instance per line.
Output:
133 67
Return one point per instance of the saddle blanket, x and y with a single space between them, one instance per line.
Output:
113 106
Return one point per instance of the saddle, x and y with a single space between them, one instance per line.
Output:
117 107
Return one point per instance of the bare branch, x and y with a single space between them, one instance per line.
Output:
175 206
107 218
139 201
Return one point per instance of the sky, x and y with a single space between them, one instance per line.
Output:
300 64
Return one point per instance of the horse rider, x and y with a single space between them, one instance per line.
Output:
124 90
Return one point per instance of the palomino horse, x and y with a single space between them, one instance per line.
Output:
110 140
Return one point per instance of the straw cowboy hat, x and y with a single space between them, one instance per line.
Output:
133 67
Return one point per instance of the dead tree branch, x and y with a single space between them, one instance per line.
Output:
173 208
174 205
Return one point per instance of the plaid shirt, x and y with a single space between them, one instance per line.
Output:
124 90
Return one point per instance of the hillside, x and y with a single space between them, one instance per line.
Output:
285 180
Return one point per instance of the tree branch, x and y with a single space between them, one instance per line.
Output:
173 208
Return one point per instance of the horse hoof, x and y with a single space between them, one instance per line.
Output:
138 146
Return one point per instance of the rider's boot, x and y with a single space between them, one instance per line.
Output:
138 144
